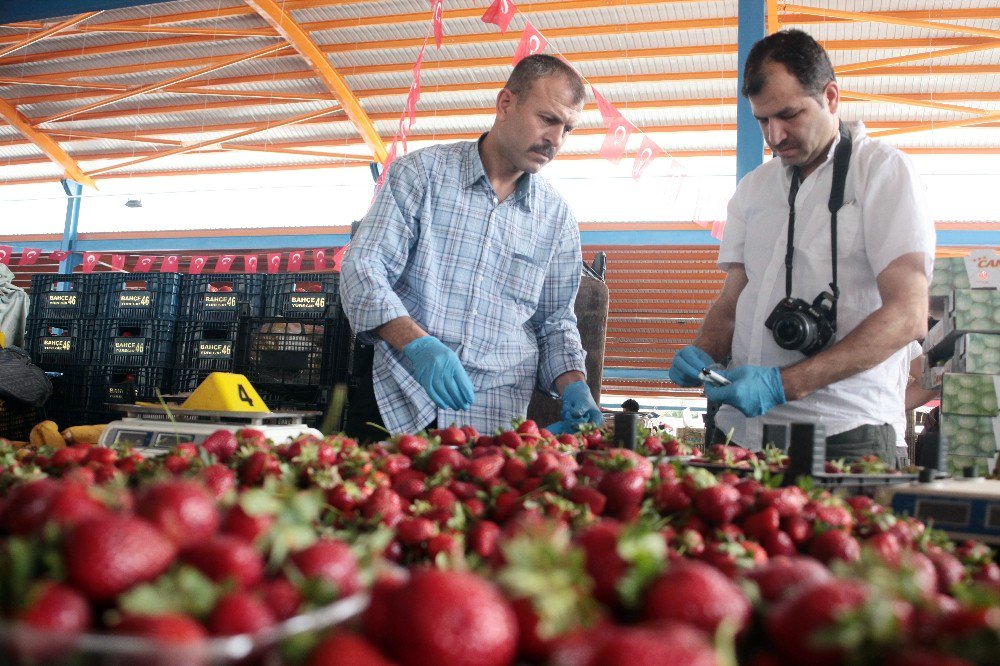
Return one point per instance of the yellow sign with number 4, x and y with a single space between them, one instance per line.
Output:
225 392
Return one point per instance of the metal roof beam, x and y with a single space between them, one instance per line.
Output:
899 99
981 120
285 25
46 144
892 20
42 34
917 57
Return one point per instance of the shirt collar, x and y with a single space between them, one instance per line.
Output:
473 171
856 128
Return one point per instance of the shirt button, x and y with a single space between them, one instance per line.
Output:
495 201
475 313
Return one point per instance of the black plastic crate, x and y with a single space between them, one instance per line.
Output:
66 418
72 389
61 296
221 297
60 342
122 384
290 351
289 398
139 295
135 342
208 346
186 380
302 295
17 419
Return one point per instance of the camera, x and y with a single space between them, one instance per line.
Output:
799 326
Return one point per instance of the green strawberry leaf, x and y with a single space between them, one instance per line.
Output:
183 590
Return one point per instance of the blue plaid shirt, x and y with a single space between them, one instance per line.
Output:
494 281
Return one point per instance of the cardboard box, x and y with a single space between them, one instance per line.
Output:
969 395
970 435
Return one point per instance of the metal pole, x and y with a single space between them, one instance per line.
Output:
751 27
74 191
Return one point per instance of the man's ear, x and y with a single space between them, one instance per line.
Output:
831 96
505 102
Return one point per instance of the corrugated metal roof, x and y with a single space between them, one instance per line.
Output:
669 66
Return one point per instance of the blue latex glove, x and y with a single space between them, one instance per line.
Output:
754 390
439 371
578 407
688 362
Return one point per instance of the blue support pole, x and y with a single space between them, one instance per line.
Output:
74 191
751 27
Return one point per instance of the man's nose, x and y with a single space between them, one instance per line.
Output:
775 132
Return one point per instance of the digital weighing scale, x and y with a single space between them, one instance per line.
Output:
962 508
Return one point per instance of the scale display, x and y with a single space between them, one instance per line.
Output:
962 508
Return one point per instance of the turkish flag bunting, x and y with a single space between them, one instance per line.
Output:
118 262
717 228
402 133
410 111
249 263
648 151
500 13
569 64
59 255
143 264
338 257
319 260
607 109
531 43
437 17
223 263
170 264
89 261
196 264
5 252
29 255
295 261
613 148
273 262
418 64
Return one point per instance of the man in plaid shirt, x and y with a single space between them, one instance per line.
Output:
465 270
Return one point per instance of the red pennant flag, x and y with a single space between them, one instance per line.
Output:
273 262
5 252
170 264
89 261
29 256
437 19
319 260
418 64
410 110
143 264
616 140
118 262
223 263
717 229
648 151
197 264
338 258
569 64
500 13
59 255
607 109
249 263
532 42
295 261
402 133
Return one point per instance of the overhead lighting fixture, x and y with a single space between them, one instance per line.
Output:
133 203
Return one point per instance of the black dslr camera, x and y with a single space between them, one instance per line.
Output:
799 326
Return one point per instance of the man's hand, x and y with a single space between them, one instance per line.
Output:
578 407
688 362
754 390
439 371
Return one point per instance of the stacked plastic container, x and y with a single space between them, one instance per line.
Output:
962 357
60 336
297 351
214 310
135 336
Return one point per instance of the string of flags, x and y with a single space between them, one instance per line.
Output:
320 260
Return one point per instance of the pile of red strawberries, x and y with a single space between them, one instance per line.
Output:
512 548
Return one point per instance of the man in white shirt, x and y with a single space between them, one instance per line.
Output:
840 354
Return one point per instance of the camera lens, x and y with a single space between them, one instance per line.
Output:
794 331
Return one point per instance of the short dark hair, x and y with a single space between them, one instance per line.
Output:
801 55
630 405
539 66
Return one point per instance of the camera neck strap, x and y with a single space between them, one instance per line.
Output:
841 160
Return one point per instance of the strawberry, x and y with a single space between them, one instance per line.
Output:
782 576
603 563
794 626
591 497
515 471
257 466
447 543
331 561
835 516
486 467
949 569
226 557
281 597
717 504
670 498
778 543
623 489
239 613
441 499
344 648
240 524
411 446
375 620
789 501
253 437
446 457
57 608
409 484
924 657
463 490
696 594
447 617
835 545
761 524
886 545
185 450
182 510
483 538
26 506
101 455
176 464
471 434
668 644
72 503
222 444
218 479
509 439
106 555
384 505
415 531
452 436
395 463
169 628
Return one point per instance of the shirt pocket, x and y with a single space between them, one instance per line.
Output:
523 284
816 241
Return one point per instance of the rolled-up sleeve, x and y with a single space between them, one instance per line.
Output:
554 322
379 250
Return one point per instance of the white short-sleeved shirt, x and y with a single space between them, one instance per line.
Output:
898 421
884 216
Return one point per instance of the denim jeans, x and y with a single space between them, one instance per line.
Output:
866 440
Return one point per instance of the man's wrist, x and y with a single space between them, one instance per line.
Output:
567 378
791 383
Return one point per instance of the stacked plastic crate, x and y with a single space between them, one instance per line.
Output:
297 351
962 357
135 336
214 310
60 337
